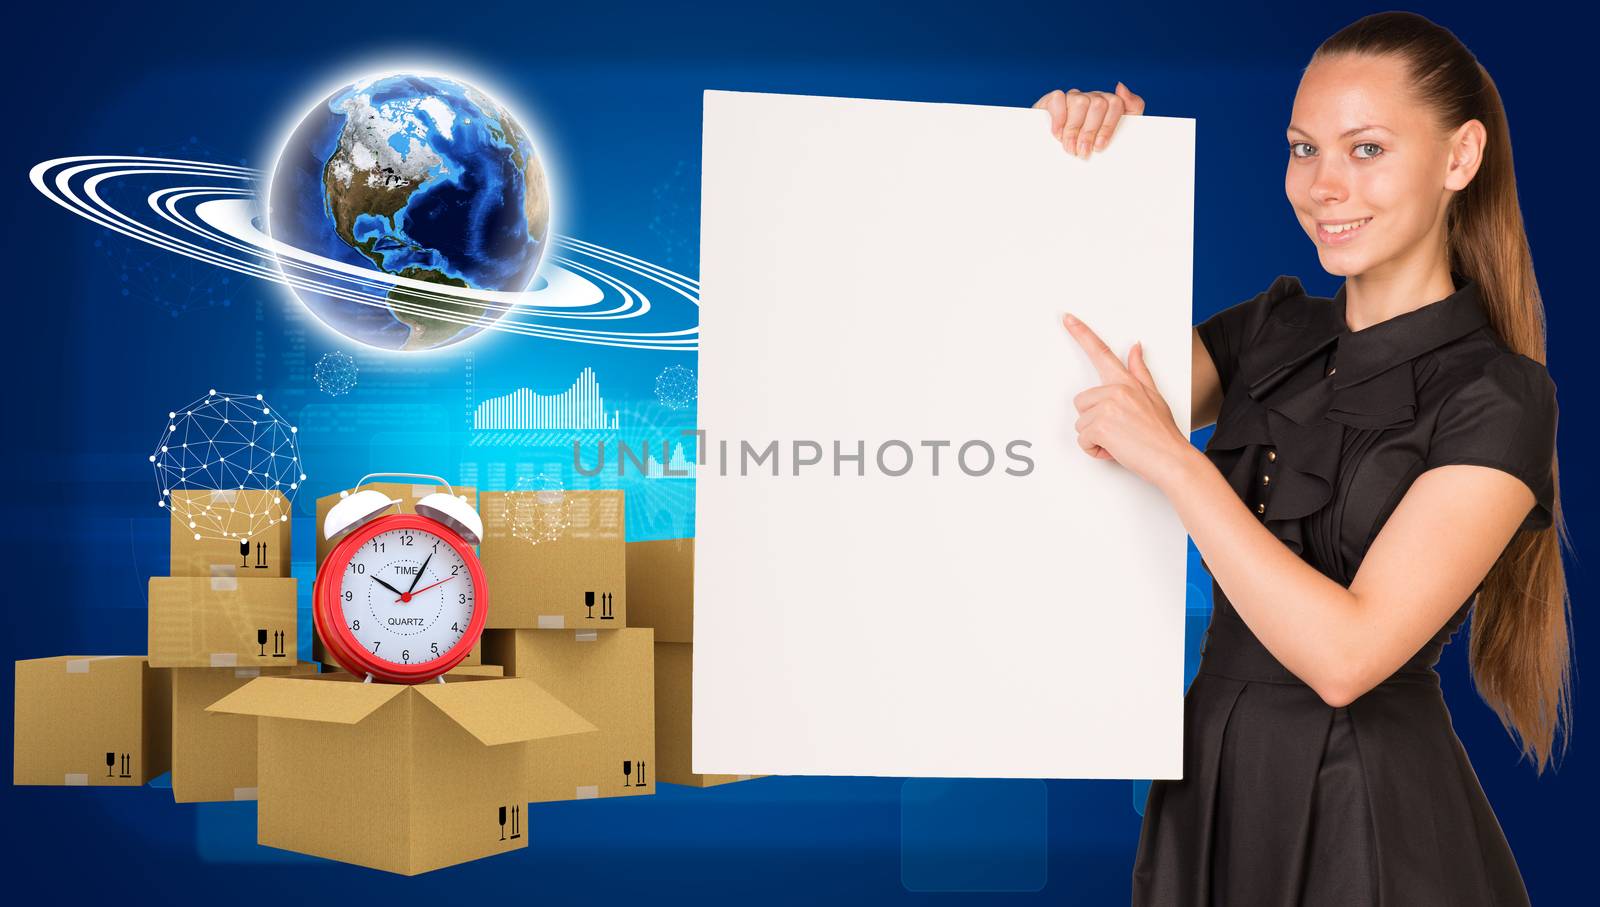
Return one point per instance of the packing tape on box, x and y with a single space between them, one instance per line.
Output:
586 635
746 777
76 779
244 673
224 570
227 583
81 665
421 491
551 622
224 659
244 793
587 792
223 495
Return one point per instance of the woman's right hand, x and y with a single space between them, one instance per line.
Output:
1082 121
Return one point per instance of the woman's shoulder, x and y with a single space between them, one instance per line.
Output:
1284 301
1483 365
1265 328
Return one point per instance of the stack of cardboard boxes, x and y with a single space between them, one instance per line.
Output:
661 594
401 778
225 615
558 616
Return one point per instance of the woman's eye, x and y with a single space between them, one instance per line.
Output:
1305 145
1375 150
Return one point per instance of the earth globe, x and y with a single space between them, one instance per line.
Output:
421 177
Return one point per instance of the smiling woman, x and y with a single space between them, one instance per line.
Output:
1382 468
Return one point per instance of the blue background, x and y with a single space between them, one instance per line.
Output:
107 335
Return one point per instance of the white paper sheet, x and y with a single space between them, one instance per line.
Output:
880 271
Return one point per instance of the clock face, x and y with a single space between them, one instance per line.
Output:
407 596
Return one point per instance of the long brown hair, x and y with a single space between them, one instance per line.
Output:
1519 639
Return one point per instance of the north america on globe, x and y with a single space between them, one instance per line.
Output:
420 177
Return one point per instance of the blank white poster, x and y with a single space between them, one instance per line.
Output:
937 581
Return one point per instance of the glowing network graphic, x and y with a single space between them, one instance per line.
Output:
540 511
677 387
335 373
227 466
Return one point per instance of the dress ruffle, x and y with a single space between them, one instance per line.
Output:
1305 425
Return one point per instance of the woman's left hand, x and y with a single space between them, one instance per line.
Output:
1126 419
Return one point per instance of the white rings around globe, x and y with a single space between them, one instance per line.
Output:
211 213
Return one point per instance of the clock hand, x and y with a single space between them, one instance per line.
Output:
420 570
408 596
387 586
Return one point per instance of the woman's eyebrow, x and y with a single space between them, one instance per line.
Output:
1347 133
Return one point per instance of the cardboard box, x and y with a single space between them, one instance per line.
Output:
661 595
214 755
555 560
675 718
101 720
229 513
221 622
408 495
607 677
401 778
661 588
320 654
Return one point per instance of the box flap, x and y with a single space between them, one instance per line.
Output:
506 710
320 697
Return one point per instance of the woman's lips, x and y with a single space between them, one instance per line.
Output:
1344 236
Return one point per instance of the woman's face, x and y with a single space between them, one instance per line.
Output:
1367 161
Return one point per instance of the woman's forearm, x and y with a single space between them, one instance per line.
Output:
1306 620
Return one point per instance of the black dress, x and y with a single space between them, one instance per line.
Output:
1285 799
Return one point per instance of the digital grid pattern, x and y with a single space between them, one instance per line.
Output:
227 443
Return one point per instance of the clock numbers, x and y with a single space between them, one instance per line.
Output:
417 599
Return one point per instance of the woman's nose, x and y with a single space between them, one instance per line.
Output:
1329 185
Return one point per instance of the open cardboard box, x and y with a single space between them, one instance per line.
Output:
213 754
401 778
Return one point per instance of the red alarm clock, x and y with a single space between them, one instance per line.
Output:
402 597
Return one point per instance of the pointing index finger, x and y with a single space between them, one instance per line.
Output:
1101 356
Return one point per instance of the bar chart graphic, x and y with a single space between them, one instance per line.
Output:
580 407
678 467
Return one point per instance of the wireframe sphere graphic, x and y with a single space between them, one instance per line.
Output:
419 177
540 510
677 387
335 373
227 466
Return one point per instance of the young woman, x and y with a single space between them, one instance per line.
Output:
1381 461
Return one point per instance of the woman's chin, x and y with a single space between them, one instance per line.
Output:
1338 263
